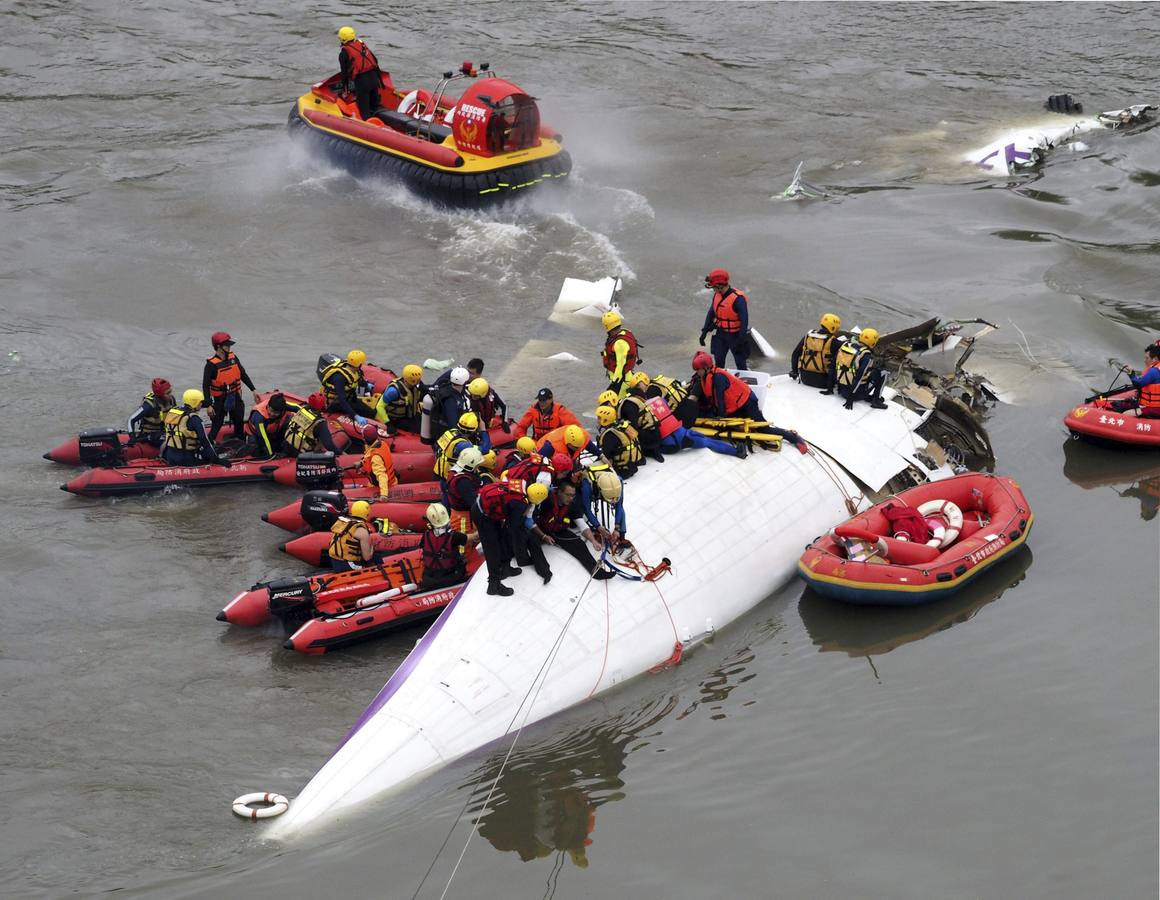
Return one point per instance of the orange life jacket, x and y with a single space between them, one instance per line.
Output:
494 498
383 452
1150 395
227 375
361 58
542 423
609 353
725 315
736 394
555 437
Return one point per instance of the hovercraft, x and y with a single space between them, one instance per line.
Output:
1095 422
921 544
484 147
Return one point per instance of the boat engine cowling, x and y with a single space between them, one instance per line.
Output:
320 509
495 116
291 600
317 470
100 447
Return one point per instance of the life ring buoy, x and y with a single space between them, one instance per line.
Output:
276 804
946 511
415 102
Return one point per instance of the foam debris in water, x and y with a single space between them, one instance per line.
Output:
563 356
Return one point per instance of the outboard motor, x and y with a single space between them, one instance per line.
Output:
100 447
321 509
317 470
291 600
325 361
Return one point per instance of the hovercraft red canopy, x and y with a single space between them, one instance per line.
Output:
495 116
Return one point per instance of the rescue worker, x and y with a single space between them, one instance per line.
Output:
464 484
145 425
813 357
474 370
487 464
308 431
556 522
359 69
403 399
1147 385
728 319
501 514
634 410
222 381
602 496
723 395
264 428
342 382
185 442
571 439
451 443
524 448
487 404
449 401
350 539
534 467
854 374
545 415
618 443
377 463
443 549
620 354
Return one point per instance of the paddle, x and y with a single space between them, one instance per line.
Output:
1119 372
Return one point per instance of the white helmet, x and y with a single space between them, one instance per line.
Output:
469 459
545 478
460 376
438 516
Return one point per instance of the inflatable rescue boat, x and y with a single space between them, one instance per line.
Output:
921 544
317 510
1093 421
487 145
712 536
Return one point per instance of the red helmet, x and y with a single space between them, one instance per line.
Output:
717 278
160 387
702 360
221 337
562 463
316 402
370 433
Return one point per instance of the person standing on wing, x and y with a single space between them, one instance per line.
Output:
728 319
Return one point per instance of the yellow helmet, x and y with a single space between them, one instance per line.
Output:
608 398
360 509
346 34
868 337
438 516
536 493
469 421
412 375
488 461
478 387
356 358
605 415
611 319
638 378
608 483
525 445
574 437
193 398
831 322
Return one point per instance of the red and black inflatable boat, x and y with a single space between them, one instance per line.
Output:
971 522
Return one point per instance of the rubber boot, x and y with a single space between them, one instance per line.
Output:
499 588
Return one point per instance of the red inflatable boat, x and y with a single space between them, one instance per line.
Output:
155 475
403 517
964 525
323 506
368 618
255 606
1093 421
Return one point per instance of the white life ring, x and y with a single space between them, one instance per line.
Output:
409 105
949 513
276 804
